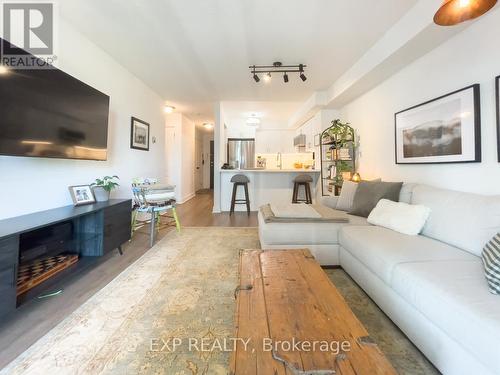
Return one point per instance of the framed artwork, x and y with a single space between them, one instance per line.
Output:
139 134
81 194
497 85
443 130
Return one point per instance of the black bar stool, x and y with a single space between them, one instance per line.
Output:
240 180
302 180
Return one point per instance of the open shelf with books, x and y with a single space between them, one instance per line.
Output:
338 157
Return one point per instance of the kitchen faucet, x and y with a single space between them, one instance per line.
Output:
278 161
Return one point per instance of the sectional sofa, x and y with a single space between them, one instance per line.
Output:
431 285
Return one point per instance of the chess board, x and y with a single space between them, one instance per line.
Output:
34 273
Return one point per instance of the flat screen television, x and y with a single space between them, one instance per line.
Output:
48 113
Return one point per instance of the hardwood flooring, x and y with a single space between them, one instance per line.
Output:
36 317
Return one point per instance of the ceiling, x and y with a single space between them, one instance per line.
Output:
195 53
272 115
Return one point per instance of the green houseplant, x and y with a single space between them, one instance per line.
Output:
102 187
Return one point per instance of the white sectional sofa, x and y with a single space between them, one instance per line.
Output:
431 285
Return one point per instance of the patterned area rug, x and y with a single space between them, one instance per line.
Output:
165 313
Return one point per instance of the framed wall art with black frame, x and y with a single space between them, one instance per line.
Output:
139 134
443 130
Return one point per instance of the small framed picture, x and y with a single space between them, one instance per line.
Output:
139 134
442 130
81 194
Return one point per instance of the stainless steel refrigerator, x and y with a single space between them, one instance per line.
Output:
241 153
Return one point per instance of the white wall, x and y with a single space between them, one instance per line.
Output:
179 153
269 141
33 184
470 57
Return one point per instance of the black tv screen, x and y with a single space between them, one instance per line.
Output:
48 113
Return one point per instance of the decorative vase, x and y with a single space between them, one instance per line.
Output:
100 194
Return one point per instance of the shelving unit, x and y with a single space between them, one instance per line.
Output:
338 157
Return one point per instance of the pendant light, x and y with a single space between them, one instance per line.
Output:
453 12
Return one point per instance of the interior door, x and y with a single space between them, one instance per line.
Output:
211 165
198 172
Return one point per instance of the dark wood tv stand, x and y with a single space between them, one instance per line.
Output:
95 230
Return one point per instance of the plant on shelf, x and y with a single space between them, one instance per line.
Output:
102 187
341 133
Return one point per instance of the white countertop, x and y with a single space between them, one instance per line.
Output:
269 171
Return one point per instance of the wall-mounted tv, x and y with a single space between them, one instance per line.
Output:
47 113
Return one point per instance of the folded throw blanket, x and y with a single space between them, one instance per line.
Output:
297 211
326 215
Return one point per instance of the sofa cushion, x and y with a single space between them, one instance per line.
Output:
401 217
346 198
304 233
381 249
464 220
491 263
454 296
369 193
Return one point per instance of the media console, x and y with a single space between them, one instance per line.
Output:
37 246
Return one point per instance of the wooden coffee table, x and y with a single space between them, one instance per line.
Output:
290 319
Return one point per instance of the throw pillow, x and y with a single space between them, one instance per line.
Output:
491 262
400 217
344 203
370 192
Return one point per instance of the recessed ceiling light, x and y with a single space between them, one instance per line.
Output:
253 121
208 125
3 69
169 109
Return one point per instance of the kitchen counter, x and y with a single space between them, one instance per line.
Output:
258 170
266 186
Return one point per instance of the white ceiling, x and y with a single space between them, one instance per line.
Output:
273 115
195 53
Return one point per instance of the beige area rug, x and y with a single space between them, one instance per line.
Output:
180 289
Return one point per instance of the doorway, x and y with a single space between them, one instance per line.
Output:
211 165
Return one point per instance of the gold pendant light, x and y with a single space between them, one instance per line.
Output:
453 12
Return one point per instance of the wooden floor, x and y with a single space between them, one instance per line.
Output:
36 317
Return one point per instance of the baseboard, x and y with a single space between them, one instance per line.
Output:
186 198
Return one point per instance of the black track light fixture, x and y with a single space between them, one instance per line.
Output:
302 75
255 76
266 70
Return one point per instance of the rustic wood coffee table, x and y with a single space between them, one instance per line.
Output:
290 319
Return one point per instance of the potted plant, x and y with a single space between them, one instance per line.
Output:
102 187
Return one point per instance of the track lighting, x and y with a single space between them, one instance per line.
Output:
302 75
277 67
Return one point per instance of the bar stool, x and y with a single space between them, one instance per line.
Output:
302 180
240 180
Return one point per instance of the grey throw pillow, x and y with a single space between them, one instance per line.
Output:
491 262
370 192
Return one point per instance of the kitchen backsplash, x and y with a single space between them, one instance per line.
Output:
288 160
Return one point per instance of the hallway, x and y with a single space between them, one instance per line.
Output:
197 212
